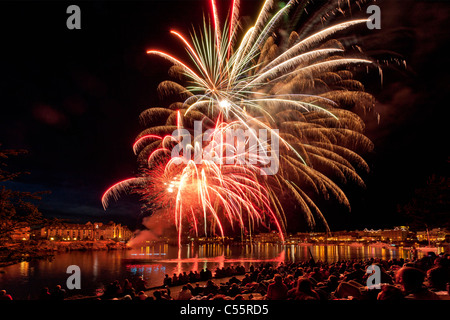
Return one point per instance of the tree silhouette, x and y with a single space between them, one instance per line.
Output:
17 208
429 207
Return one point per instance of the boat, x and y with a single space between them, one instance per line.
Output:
381 245
356 244
304 244
427 249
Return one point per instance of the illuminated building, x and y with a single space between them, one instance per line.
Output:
88 231
434 235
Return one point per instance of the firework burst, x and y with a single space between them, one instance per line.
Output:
300 88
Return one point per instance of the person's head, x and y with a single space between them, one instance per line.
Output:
157 294
239 297
390 292
185 288
58 287
278 279
437 278
333 279
357 266
443 262
2 292
304 285
410 278
142 295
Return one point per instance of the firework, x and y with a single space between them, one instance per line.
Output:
299 88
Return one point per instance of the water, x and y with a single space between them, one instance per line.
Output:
98 268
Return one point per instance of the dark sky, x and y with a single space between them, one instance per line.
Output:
73 97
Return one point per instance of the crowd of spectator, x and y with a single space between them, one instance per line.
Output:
57 293
427 278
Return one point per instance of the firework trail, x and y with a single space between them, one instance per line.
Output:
299 87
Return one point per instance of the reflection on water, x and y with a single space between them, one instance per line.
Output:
266 251
98 268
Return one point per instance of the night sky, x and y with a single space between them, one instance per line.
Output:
72 99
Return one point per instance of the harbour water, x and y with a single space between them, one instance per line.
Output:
98 268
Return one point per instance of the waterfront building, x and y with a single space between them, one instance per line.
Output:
89 231
433 235
370 235
272 237
397 234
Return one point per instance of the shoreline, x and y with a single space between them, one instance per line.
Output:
45 249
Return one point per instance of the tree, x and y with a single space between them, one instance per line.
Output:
17 208
429 207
